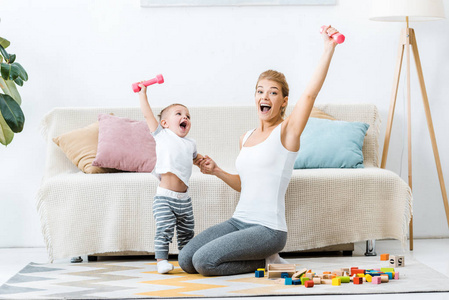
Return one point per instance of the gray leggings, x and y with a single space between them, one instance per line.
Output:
231 247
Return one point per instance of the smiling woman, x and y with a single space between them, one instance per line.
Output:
257 230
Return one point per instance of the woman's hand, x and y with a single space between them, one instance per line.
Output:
197 160
329 42
207 166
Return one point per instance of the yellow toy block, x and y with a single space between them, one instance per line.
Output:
368 277
336 281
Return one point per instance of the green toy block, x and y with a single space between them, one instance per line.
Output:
345 279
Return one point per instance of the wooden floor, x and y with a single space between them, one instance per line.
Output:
432 252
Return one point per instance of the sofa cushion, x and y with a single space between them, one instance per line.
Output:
80 147
331 144
125 144
318 113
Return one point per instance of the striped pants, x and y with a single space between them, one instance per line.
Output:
170 210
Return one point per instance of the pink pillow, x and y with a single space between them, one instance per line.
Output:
125 144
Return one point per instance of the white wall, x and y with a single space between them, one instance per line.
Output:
87 53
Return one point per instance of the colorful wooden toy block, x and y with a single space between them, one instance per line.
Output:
358 280
299 273
385 256
316 280
397 261
357 271
368 277
347 270
344 279
384 278
304 279
308 283
297 282
376 280
275 270
260 274
337 273
396 275
288 281
336 281
309 274
284 275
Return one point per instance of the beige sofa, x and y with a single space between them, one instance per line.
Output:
94 214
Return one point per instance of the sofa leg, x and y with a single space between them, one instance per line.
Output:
370 248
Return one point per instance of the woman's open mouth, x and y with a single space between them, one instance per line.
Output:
264 108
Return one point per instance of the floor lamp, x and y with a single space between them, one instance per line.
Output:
405 11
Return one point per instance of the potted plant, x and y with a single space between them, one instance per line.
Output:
11 115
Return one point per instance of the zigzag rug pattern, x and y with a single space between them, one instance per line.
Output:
139 279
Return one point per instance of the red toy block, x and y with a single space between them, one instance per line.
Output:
358 280
357 271
308 283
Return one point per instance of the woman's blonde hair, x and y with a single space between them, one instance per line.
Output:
279 78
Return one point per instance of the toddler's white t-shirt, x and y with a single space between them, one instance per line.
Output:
174 154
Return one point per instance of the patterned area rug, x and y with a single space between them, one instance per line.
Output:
139 279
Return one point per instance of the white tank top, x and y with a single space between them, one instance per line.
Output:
265 171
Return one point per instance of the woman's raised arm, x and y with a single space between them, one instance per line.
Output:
295 123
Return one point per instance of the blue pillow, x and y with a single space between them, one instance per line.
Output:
331 144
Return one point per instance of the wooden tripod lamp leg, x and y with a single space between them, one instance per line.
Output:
394 93
429 122
409 128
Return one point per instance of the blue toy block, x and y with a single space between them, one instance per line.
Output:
288 281
260 274
284 275
297 282
390 275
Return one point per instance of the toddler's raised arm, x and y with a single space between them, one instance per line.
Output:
146 109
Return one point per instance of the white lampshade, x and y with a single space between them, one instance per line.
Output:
397 10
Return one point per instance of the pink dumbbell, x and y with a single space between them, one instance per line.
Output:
338 37
158 79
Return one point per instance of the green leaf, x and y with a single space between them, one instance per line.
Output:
12 113
18 81
15 72
4 53
4 43
10 89
13 92
5 70
22 73
6 134
12 58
